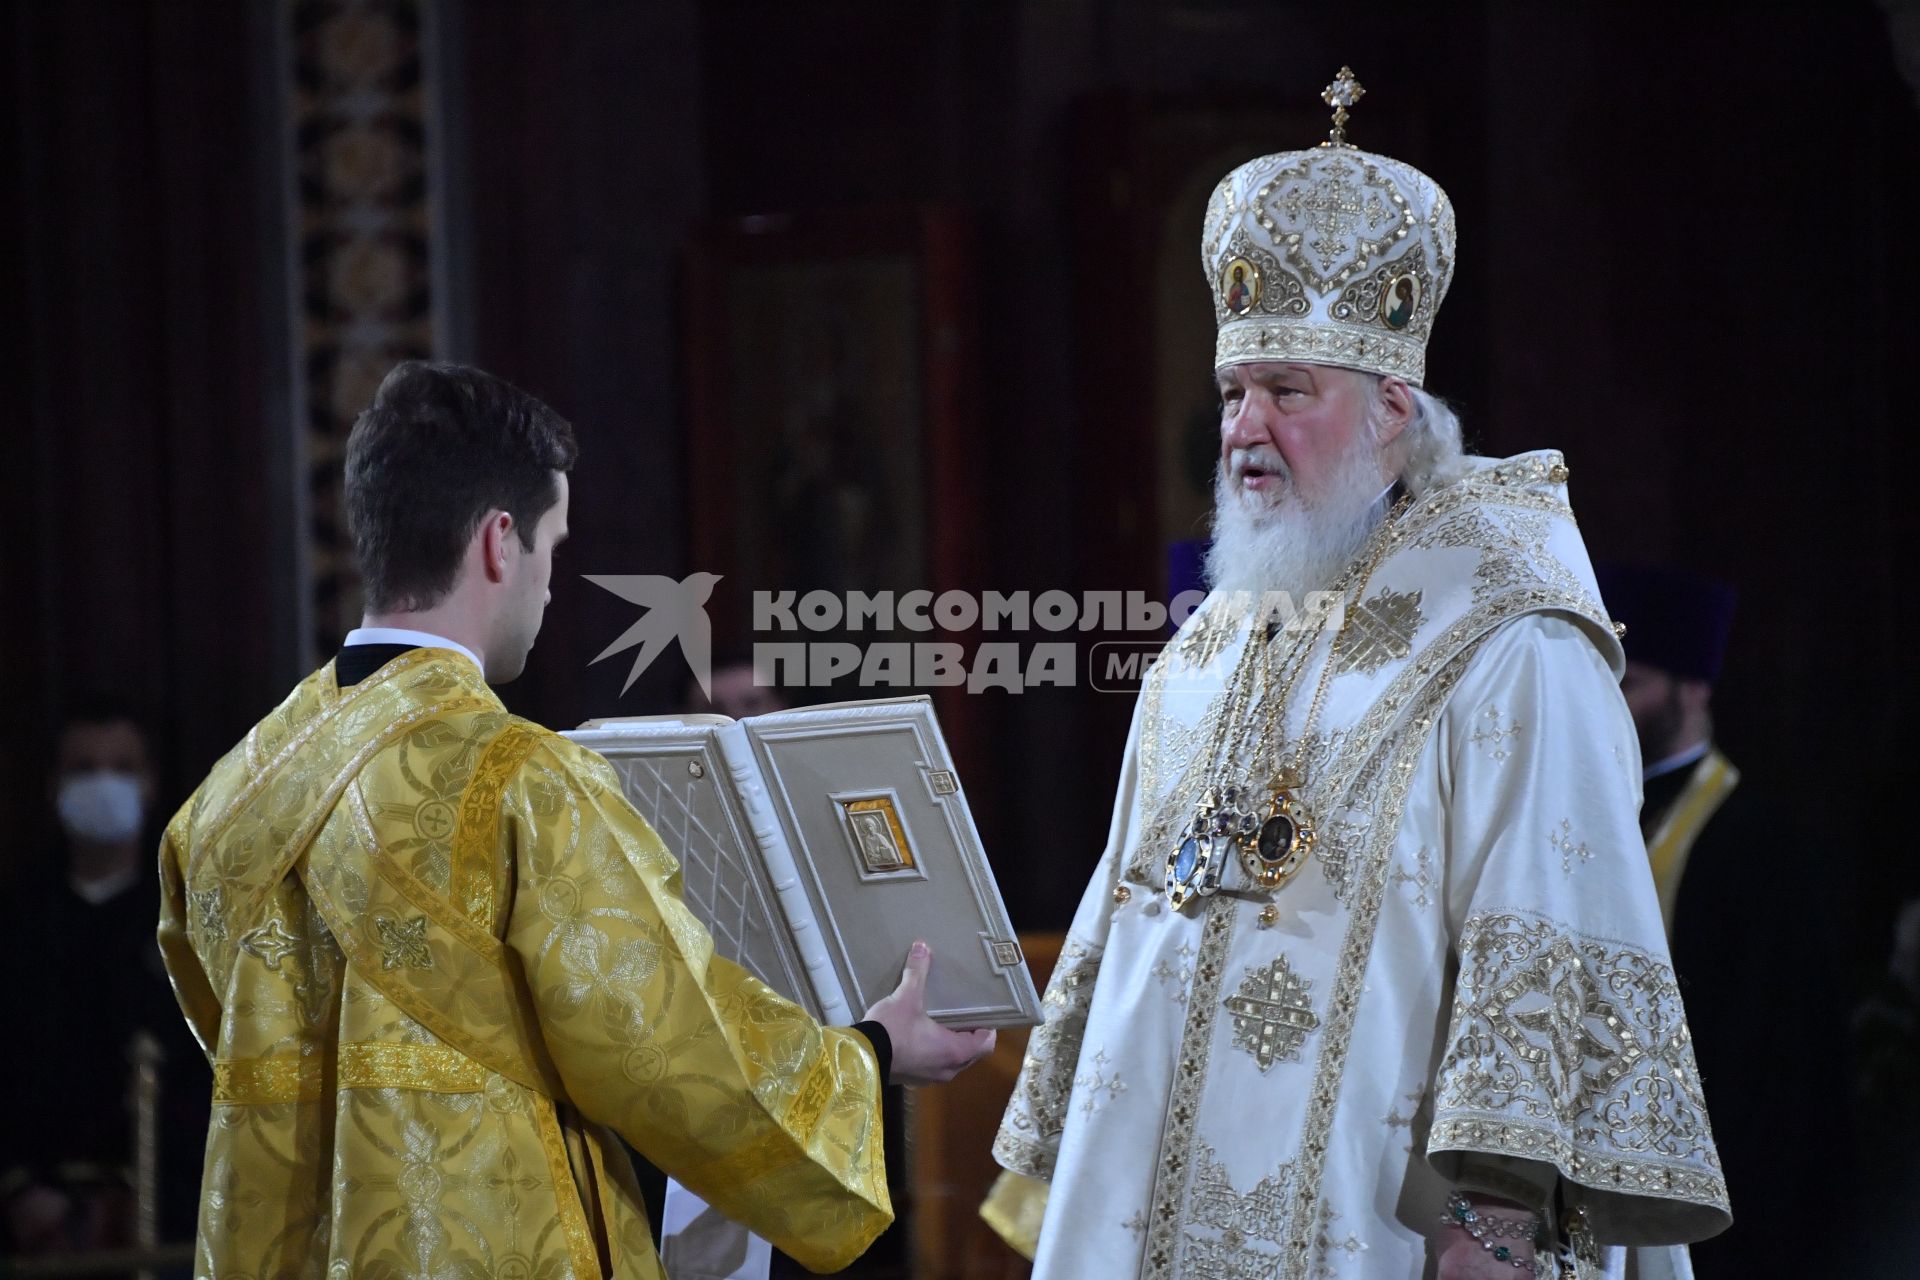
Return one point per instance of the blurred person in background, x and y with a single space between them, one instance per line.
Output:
1677 625
1738 880
732 690
81 933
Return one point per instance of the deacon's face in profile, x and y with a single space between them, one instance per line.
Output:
1286 429
528 590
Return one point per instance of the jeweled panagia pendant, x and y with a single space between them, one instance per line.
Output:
1219 823
1283 842
1193 869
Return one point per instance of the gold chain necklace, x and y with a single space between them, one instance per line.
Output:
1275 840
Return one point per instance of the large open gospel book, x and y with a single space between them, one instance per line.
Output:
817 844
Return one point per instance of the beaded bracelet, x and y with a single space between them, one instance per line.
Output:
1489 1231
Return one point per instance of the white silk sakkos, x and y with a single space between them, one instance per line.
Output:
1469 982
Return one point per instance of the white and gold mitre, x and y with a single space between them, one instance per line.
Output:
1330 256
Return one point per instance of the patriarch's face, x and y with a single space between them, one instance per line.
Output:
1287 429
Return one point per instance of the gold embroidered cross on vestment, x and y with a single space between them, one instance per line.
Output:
403 945
209 909
270 943
1272 1014
1383 631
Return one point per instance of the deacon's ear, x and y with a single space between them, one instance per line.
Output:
496 533
1396 408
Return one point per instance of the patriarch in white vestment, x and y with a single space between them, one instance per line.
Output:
1370 980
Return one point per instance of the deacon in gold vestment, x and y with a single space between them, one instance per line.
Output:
438 961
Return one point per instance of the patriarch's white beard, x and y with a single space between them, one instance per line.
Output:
1274 541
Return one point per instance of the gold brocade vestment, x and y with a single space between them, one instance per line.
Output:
437 961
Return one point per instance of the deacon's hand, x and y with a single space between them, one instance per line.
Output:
924 1052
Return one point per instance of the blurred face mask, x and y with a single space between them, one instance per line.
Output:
103 806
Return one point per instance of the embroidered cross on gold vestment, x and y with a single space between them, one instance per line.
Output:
403 944
271 943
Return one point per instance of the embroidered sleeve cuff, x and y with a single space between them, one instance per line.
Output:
1014 1209
882 1047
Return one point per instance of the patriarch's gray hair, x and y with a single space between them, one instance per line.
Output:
1435 451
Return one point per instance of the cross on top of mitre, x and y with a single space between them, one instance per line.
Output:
1344 92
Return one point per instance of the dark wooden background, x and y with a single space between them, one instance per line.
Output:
1684 259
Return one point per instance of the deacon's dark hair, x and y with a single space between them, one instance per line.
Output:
442 445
